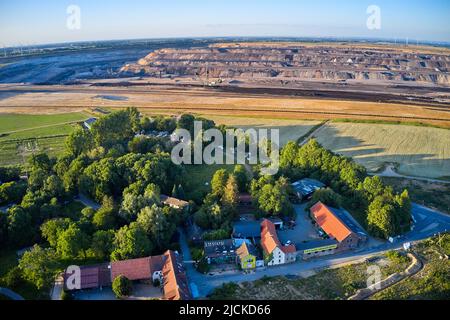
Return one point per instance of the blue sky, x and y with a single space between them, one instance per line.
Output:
44 21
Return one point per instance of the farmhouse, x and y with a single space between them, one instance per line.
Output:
138 269
274 252
337 225
89 122
174 202
166 268
91 277
175 283
220 251
305 188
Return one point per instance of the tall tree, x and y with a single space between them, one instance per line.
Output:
39 266
131 242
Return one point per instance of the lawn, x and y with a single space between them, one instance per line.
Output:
22 135
16 122
198 179
418 151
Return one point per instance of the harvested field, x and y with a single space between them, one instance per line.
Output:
418 151
290 130
206 101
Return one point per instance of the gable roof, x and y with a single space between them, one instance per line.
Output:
137 269
245 250
330 222
270 241
173 202
92 276
175 284
307 186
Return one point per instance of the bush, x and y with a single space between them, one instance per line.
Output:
13 278
122 287
226 292
66 295
396 257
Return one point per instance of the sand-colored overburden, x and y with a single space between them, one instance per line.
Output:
419 151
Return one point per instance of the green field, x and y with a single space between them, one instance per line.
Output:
23 135
198 179
418 151
20 122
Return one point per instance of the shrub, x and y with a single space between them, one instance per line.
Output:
66 295
122 287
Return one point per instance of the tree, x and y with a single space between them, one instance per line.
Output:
39 266
72 242
157 225
122 287
241 177
20 227
79 141
328 197
186 122
51 230
12 192
102 243
380 218
231 193
40 161
53 187
218 182
3 230
105 217
131 242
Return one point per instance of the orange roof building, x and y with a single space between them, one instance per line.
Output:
175 283
329 219
272 246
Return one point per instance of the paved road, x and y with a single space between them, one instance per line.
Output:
10 294
427 223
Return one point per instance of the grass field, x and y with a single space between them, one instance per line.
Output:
418 151
21 135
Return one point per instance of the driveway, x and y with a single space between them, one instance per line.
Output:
303 231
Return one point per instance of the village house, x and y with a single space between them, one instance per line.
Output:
247 255
337 225
174 202
89 122
305 188
220 252
317 248
274 252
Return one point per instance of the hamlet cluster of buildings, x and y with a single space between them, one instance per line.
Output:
166 269
256 243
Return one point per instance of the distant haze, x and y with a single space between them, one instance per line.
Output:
26 22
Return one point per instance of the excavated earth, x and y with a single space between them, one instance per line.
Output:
292 62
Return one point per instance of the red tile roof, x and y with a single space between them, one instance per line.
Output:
175 284
270 241
329 222
92 276
137 269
